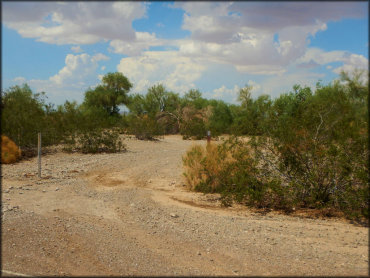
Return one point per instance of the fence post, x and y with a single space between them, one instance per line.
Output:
208 136
39 152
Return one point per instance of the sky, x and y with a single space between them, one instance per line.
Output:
65 48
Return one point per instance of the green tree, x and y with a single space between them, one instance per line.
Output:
23 115
316 145
221 119
245 95
156 98
251 117
110 94
194 98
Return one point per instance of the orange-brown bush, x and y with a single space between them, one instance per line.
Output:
229 168
203 166
10 152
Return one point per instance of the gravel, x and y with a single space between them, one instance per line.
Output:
129 214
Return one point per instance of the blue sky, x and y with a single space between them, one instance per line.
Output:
63 48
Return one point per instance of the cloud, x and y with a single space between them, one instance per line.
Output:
255 86
308 65
19 80
218 20
231 95
226 94
78 74
351 62
280 15
354 63
76 68
142 41
176 72
322 57
258 37
277 85
82 23
73 22
76 49
100 57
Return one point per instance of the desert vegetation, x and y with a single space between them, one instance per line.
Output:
10 152
304 149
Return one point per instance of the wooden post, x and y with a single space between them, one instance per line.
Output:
39 153
208 137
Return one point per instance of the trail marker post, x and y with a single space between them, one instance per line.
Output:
208 136
39 153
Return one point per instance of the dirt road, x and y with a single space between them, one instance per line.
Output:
129 214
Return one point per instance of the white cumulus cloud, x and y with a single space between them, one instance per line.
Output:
351 62
142 41
78 74
176 72
257 37
73 22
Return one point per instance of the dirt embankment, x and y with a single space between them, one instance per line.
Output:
129 214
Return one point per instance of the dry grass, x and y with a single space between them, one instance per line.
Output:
10 152
203 165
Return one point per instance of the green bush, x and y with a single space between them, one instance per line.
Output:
194 129
95 141
318 144
23 115
144 127
313 153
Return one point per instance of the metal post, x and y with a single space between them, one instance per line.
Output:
39 153
208 136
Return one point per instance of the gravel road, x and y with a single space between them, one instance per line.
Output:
129 214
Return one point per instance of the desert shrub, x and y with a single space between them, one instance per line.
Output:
169 123
230 169
250 118
10 152
312 153
95 141
22 116
318 146
220 119
193 129
144 127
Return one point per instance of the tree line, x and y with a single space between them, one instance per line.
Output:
161 111
306 148
156 113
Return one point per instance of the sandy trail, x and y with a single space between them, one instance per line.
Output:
129 214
